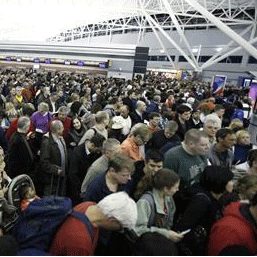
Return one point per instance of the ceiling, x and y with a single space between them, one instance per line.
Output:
37 20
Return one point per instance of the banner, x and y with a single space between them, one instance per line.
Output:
218 84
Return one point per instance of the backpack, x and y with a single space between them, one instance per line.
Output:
37 225
148 196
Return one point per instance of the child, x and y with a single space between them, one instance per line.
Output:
28 194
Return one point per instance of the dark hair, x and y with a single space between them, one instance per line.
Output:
27 110
153 115
238 105
96 107
130 92
75 107
183 108
76 118
222 133
97 140
253 201
215 178
252 157
2 114
165 178
155 155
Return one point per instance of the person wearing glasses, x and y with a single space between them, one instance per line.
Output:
120 169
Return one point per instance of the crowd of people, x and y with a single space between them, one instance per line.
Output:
163 158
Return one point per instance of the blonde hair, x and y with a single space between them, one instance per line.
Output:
240 134
236 123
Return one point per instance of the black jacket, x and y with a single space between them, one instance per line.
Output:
50 159
20 159
79 163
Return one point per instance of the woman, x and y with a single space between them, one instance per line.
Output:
156 208
101 123
246 187
242 147
236 125
203 208
75 134
40 120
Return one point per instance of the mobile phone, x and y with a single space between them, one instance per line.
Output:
185 232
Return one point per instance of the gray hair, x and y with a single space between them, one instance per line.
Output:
110 144
157 98
63 109
55 125
121 207
101 116
43 107
172 125
23 124
140 129
213 119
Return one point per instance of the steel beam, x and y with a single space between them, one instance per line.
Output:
228 31
180 32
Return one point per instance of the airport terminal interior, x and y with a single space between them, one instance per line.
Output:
128 127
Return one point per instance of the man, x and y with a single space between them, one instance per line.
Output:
82 157
188 160
53 103
154 105
235 232
133 145
212 124
195 121
128 100
43 96
114 212
165 139
144 171
118 174
184 114
102 121
20 155
154 119
221 153
66 121
139 115
54 160
100 166
124 113
27 110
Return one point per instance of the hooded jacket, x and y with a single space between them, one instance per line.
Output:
236 228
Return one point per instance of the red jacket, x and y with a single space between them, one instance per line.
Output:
13 128
73 238
233 229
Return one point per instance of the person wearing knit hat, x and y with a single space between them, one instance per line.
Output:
114 212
